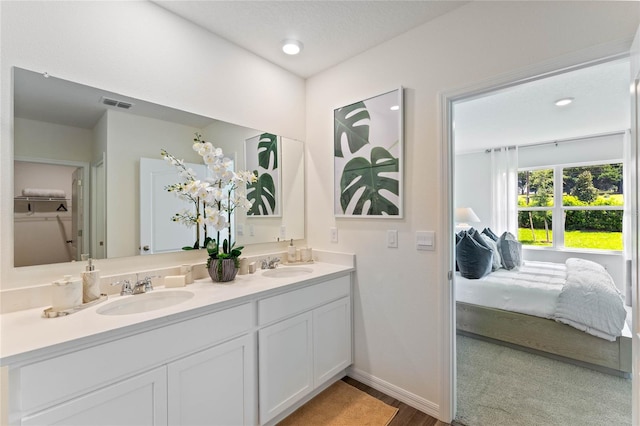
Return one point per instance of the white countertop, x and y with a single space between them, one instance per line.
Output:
26 335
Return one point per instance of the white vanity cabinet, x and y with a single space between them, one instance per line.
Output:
249 360
180 373
306 344
215 386
139 400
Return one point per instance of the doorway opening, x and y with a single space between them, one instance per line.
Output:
50 211
472 191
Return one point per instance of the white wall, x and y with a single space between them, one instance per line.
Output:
473 186
141 50
397 316
38 139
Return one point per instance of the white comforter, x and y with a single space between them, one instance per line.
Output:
590 301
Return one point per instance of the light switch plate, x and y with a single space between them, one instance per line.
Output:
334 235
425 240
392 238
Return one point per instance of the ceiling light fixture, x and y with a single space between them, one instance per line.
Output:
395 108
563 101
291 47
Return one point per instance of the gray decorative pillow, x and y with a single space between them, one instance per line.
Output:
497 259
489 233
473 258
510 250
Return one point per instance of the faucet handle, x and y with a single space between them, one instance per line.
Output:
126 287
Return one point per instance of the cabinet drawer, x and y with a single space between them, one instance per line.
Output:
296 301
68 375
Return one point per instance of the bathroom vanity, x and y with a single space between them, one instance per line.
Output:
245 353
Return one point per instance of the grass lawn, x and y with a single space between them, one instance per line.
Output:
574 239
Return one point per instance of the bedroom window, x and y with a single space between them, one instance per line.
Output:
589 216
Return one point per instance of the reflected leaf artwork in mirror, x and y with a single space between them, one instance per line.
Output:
84 148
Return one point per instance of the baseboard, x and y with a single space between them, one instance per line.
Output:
394 391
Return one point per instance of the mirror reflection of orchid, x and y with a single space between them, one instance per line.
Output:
262 157
367 157
214 198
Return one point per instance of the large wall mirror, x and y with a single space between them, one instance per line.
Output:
78 183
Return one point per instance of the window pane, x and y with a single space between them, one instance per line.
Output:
535 188
593 229
599 185
534 228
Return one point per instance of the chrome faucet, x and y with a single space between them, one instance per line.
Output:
270 263
141 286
126 287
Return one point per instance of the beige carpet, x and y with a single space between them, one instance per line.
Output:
342 405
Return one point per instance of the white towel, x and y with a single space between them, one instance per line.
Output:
37 192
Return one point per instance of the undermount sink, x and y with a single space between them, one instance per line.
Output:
288 272
145 302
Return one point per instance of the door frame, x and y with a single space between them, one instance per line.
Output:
584 58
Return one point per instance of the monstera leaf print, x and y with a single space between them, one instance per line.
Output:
352 121
263 194
268 148
359 173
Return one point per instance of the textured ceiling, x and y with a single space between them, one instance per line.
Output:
331 31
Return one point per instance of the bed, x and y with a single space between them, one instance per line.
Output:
523 307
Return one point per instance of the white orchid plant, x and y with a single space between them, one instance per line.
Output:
214 198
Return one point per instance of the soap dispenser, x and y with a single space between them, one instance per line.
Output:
90 283
291 252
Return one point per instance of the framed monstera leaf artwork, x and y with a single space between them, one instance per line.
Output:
262 157
368 157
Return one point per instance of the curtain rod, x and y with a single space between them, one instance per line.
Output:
557 141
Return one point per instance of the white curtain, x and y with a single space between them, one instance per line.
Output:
504 190
627 231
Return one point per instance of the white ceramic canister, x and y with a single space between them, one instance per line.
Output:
66 293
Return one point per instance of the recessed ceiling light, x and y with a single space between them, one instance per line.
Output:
395 108
564 101
291 47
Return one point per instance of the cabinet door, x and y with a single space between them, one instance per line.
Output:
140 400
331 339
285 364
216 386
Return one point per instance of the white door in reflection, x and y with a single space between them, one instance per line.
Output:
158 233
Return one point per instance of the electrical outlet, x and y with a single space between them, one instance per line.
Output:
392 238
283 232
240 230
334 235
251 234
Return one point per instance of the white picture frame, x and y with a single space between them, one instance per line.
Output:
263 155
368 157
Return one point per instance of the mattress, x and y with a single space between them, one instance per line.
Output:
532 289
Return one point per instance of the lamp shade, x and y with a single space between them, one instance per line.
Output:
466 215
